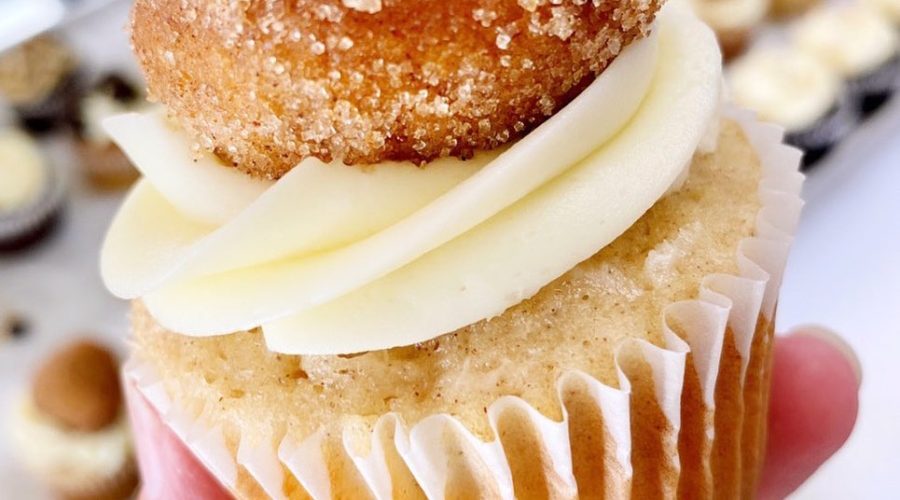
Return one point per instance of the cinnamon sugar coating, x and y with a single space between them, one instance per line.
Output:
265 84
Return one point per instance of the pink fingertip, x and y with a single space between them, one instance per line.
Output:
168 469
814 403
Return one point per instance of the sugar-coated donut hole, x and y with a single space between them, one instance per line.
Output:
267 84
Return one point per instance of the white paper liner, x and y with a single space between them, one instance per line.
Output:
735 303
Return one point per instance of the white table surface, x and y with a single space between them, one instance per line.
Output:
844 272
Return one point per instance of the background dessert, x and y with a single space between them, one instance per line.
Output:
40 80
788 8
734 21
71 429
890 9
31 191
101 160
832 25
861 46
795 90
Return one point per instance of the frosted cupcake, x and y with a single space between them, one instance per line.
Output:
103 163
734 21
797 91
787 8
583 308
859 45
31 192
39 80
71 431
889 9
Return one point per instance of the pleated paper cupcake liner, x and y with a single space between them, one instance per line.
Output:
875 88
687 419
28 225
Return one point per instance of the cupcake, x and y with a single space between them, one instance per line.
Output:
31 192
531 254
859 45
39 80
798 92
734 21
787 8
103 163
889 9
71 430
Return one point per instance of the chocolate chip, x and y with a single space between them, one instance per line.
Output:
18 328
15 326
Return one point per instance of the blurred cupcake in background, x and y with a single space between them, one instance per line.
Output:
889 9
787 8
734 21
859 44
797 91
31 191
104 164
71 431
39 80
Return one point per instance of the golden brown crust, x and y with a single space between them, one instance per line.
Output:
267 84
79 387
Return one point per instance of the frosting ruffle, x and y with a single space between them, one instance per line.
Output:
337 260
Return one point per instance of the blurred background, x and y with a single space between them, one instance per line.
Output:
826 71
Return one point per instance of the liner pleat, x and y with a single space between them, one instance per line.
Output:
687 419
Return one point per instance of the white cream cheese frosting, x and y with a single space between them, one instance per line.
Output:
731 15
852 39
22 172
71 460
331 259
890 9
785 86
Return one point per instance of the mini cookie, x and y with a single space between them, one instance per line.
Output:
72 431
31 192
39 80
103 163
859 45
797 91
734 21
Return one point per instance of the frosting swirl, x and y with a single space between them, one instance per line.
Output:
333 259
